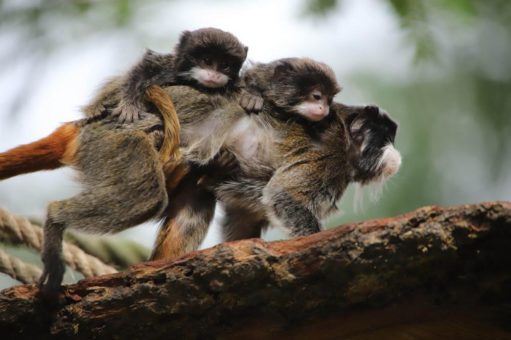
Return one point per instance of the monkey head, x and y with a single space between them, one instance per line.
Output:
303 87
373 133
209 57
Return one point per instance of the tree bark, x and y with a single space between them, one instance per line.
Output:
435 271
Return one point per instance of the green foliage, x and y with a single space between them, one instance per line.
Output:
320 7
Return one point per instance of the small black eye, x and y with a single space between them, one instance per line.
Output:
225 66
316 96
207 60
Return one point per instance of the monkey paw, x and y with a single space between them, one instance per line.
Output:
53 274
93 111
251 103
226 161
127 113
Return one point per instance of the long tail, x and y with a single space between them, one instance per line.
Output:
169 151
51 152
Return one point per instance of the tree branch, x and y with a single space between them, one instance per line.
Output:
365 275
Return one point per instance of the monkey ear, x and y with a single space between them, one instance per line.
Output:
372 110
355 122
183 39
282 69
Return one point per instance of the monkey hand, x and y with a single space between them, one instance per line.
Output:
250 102
94 110
127 113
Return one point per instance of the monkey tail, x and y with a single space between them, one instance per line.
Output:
51 152
170 148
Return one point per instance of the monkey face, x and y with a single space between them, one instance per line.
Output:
209 57
315 107
303 86
373 133
210 71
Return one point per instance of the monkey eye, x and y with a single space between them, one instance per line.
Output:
207 60
224 65
317 95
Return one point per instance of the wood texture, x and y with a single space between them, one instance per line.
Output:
435 272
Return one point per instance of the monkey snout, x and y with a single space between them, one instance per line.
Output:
390 161
213 78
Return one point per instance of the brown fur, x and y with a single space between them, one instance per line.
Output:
310 167
284 83
51 152
169 151
125 93
169 243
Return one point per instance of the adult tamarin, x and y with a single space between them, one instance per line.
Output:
296 89
302 164
292 182
117 159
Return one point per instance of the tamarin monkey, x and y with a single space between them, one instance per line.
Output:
298 89
289 85
293 181
207 58
311 174
290 172
115 176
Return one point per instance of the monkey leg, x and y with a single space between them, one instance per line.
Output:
51 255
240 224
124 186
188 216
285 212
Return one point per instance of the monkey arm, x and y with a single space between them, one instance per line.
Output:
292 201
153 69
251 101
107 96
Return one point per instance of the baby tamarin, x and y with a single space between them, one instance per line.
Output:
296 86
208 58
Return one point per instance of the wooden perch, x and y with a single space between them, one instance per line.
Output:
443 272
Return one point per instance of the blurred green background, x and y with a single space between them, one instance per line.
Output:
442 68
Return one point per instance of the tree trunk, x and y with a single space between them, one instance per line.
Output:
434 272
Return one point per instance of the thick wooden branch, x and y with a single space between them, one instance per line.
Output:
361 278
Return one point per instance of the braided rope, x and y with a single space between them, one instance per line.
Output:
15 229
17 269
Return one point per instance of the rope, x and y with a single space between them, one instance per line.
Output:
17 269
15 229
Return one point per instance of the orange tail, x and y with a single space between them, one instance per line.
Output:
51 152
